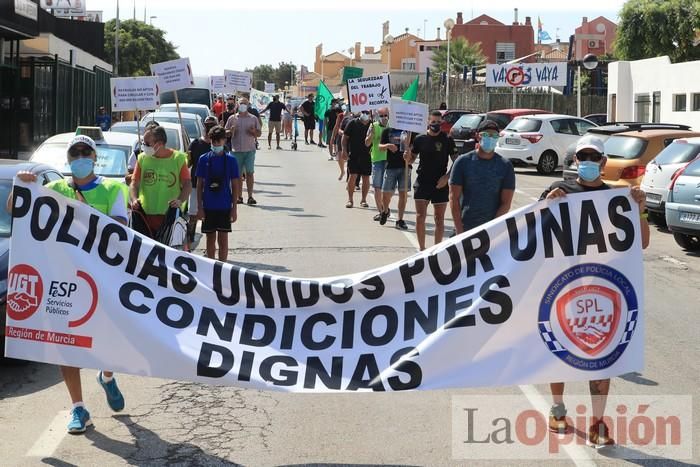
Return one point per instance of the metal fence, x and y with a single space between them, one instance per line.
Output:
480 99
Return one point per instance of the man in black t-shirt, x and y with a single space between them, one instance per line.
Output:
397 174
307 111
590 160
357 153
329 123
198 147
434 149
275 120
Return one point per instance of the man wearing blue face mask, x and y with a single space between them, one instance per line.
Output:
590 158
482 183
110 198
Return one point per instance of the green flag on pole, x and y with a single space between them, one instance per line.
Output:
411 93
323 100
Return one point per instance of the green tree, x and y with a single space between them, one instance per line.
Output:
652 28
267 73
462 52
140 45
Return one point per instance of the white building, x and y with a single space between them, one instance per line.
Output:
426 49
654 90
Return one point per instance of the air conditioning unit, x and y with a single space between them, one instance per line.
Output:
593 44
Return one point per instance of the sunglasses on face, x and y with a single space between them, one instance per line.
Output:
80 152
589 157
485 134
383 116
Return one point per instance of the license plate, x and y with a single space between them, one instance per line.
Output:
653 197
691 217
513 141
459 144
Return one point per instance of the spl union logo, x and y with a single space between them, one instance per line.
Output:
25 289
581 312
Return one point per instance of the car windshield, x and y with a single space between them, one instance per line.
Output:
130 129
111 159
524 125
469 121
189 95
202 112
189 123
624 147
5 217
693 169
677 152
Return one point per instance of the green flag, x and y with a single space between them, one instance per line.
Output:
323 100
411 93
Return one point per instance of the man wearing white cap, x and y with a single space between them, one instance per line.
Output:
590 159
110 198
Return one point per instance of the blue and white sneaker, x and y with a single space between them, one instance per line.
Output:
79 420
115 400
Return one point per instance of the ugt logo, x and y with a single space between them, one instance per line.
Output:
589 316
25 289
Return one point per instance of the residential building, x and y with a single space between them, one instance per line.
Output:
500 42
425 51
635 92
402 52
596 37
554 52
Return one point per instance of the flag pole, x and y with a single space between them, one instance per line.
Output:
182 126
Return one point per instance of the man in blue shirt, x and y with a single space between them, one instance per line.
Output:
482 183
103 119
218 186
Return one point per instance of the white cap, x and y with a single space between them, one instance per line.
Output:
82 139
590 142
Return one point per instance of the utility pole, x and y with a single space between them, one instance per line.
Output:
116 43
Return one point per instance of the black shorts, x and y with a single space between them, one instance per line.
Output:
309 123
426 191
216 221
360 166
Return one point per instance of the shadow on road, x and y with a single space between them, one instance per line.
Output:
22 378
57 462
278 208
148 448
637 378
274 184
634 456
261 266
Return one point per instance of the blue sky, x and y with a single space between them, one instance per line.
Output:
218 34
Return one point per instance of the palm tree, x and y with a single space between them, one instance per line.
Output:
462 52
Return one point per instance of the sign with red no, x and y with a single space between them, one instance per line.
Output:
369 92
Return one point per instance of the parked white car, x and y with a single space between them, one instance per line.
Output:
662 169
192 122
541 140
198 109
172 130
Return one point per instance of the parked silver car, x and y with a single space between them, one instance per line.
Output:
683 207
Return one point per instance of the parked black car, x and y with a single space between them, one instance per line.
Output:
8 170
604 132
464 132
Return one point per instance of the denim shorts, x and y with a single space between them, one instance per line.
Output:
395 178
378 169
246 161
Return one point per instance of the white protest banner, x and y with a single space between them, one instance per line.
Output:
217 84
526 74
238 81
549 292
174 74
135 93
369 92
408 115
269 87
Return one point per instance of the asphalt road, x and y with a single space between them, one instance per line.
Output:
301 228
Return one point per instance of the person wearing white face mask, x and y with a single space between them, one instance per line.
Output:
482 183
244 129
109 197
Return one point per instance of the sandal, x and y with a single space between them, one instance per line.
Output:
364 204
348 204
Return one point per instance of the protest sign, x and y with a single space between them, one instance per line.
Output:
407 115
238 81
269 87
64 8
217 84
173 74
350 72
526 74
369 92
549 292
135 93
259 99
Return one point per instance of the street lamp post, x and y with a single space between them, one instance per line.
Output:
449 24
151 18
388 40
590 62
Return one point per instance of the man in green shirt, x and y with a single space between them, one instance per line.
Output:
110 198
378 155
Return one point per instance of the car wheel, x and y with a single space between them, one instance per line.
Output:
657 218
548 163
687 242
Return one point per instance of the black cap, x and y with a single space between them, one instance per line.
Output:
488 125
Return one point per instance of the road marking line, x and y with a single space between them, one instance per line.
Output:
52 436
576 453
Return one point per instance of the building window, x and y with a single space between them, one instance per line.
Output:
421 48
505 52
656 107
679 102
641 107
695 100
408 64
